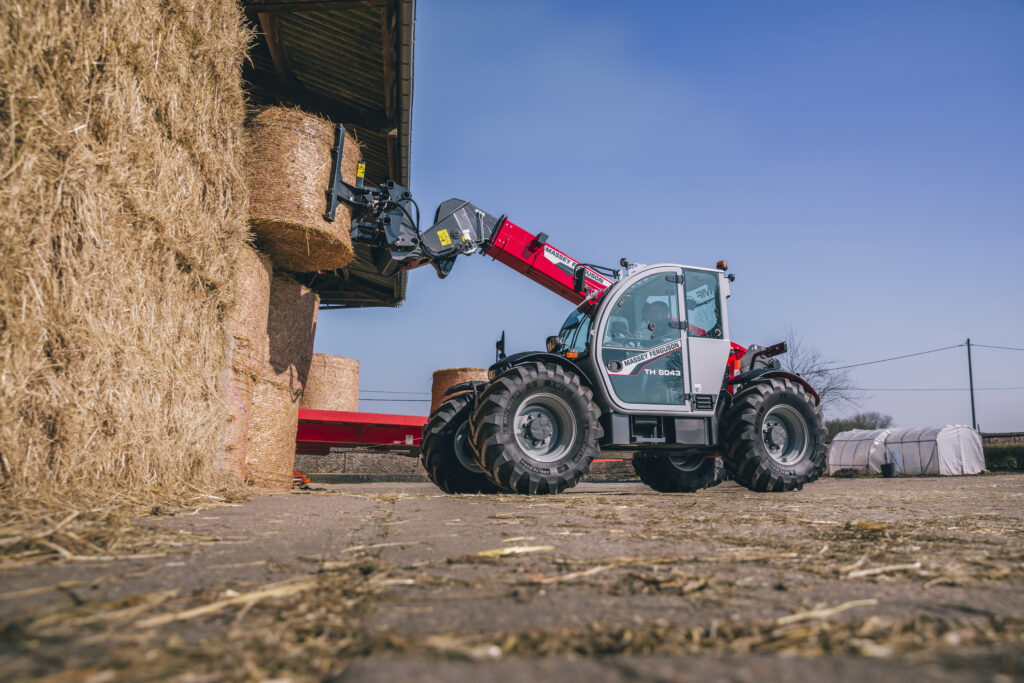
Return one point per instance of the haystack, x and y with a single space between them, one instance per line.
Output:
273 419
333 384
122 208
238 391
450 377
248 325
289 171
248 319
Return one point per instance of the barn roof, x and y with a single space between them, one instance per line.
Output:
350 61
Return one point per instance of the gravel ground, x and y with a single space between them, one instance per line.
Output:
847 579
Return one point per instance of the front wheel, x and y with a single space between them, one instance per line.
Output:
535 429
773 438
675 473
445 452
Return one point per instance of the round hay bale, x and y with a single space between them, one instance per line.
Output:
332 384
273 420
448 377
248 319
274 416
289 171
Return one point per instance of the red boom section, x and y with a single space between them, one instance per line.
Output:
319 430
542 263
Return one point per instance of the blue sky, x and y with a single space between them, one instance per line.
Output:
860 166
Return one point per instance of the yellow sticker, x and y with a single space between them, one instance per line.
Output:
361 170
443 236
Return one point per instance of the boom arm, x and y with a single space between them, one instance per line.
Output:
532 256
382 218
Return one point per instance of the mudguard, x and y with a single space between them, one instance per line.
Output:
766 373
539 356
473 386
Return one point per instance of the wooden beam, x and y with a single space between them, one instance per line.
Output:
272 32
390 142
339 112
388 41
252 8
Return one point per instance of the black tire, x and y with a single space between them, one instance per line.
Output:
675 473
446 453
773 437
540 398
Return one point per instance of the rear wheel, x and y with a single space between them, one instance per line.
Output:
535 429
446 453
675 473
773 438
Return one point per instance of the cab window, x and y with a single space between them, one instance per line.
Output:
645 316
575 333
703 307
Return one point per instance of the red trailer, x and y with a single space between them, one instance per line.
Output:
320 430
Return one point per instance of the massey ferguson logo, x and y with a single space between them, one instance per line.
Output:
567 265
632 366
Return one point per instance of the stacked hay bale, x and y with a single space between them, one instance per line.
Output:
291 327
289 168
333 384
248 325
122 211
449 377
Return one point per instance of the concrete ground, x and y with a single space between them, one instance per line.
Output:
845 580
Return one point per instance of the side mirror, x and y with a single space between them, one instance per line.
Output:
578 285
499 348
554 344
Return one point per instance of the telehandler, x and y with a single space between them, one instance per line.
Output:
643 367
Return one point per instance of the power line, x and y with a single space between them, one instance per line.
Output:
398 400
943 389
886 360
1004 348
382 391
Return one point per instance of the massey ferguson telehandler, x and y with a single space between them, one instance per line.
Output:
643 367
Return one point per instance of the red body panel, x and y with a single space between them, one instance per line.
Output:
319 430
542 263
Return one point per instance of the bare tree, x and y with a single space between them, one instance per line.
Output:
835 387
869 420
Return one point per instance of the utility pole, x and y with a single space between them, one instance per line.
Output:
970 377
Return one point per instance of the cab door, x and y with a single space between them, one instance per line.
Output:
640 339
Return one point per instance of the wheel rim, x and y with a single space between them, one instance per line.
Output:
545 428
686 463
784 434
463 451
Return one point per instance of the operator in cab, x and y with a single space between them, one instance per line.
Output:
656 323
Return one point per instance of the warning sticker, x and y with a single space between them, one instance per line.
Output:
443 236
